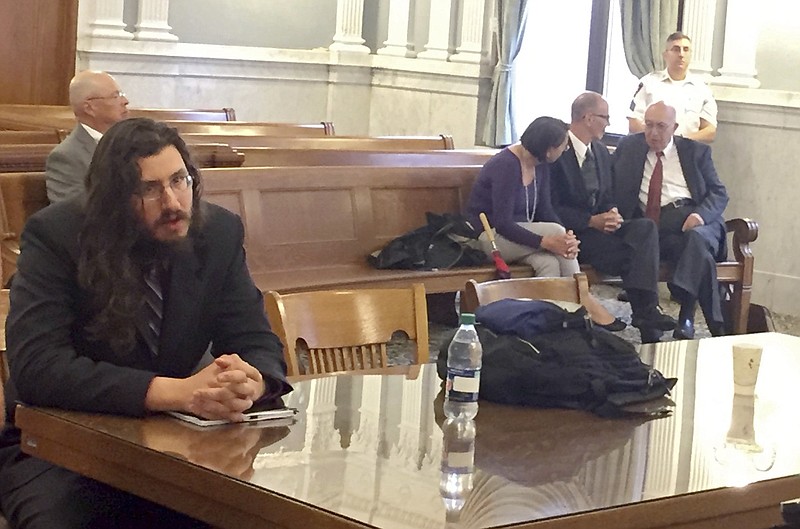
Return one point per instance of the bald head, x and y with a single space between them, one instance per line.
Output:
589 117
659 125
96 100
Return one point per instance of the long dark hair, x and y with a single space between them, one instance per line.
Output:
109 266
542 134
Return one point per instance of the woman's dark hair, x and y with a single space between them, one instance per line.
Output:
109 268
544 133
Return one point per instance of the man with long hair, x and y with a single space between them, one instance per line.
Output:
117 296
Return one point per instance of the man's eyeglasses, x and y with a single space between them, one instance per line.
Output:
604 116
115 95
153 190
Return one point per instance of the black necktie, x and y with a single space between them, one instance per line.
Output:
153 309
589 172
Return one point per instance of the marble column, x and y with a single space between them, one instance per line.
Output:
741 41
397 42
438 46
349 21
698 23
152 22
471 20
107 21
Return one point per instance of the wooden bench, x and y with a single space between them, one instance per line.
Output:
354 143
312 229
267 156
47 117
32 157
324 128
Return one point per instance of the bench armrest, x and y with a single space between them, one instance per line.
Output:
744 231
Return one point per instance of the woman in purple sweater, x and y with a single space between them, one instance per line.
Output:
513 189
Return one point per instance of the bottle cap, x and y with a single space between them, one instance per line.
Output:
467 318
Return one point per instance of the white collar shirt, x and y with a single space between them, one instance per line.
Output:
579 147
691 98
673 185
96 136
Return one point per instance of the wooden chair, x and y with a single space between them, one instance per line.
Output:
347 330
574 289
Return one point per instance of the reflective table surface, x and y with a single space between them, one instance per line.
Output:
369 451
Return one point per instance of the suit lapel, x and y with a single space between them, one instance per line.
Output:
86 141
689 169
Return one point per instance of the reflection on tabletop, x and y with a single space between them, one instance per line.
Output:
371 448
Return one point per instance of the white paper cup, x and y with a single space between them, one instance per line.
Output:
746 363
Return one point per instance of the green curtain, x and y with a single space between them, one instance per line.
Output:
510 16
646 24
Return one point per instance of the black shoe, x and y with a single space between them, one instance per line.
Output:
615 326
717 329
684 330
656 319
650 335
623 296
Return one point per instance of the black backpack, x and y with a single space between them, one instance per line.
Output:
440 244
562 365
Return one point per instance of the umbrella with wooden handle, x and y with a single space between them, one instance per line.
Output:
500 266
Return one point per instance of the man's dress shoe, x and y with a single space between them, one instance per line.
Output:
684 330
650 335
654 319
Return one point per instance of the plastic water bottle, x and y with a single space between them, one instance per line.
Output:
463 371
458 465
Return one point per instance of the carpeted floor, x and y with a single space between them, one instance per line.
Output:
400 351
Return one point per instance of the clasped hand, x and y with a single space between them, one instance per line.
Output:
225 389
607 222
565 245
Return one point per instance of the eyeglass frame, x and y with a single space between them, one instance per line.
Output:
604 116
162 189
118 94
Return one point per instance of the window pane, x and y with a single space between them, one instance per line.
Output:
620 83
550 70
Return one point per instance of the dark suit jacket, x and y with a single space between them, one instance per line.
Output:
67 165
210 300
569 195
708 192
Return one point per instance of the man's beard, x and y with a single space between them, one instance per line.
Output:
148 249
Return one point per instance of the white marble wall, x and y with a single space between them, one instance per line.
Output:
756 156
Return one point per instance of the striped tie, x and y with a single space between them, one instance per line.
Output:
154 306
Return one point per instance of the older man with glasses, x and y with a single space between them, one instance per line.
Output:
117 297
98 103
582 195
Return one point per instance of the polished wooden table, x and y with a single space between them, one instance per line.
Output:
366 451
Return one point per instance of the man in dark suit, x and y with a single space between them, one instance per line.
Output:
582 196
117 297
98 103
673 181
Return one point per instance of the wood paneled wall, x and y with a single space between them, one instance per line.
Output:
37 50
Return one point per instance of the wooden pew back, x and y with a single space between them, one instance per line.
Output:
254 128
265 157
25 137
355 143
22 158
313 229
46 117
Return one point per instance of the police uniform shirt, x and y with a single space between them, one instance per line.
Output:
691 99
